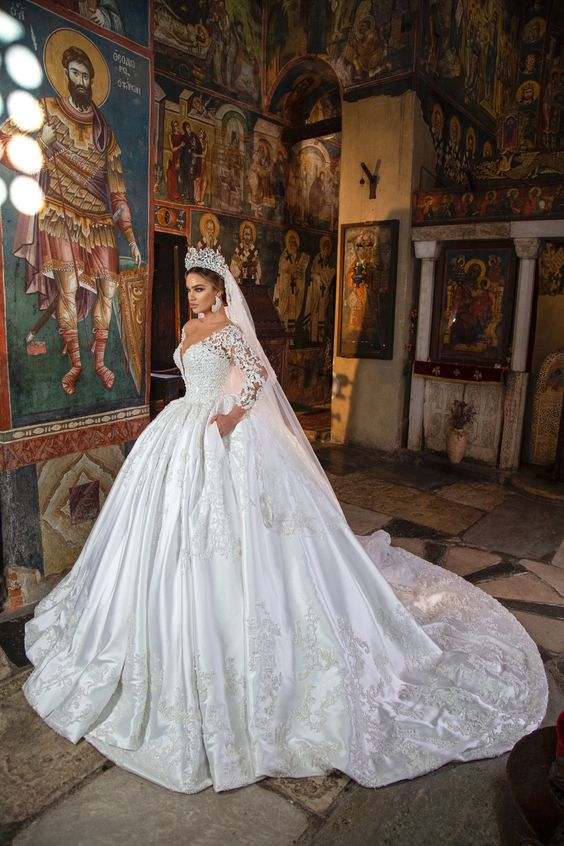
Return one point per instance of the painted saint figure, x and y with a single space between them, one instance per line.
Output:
201 180
290 284
70 247
322 277
245 264
176 143
105 13
209 230
366 281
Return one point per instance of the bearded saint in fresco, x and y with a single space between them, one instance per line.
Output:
289 290
323 273
70 246
245 264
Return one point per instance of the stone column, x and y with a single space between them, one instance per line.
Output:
527 250
428 252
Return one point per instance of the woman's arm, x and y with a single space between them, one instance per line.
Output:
254 377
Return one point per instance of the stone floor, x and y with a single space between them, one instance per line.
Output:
499 537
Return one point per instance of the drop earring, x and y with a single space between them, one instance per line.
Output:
217 304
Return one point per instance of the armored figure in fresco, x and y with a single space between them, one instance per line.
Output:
70 246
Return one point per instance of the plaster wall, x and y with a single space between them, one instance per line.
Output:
369 395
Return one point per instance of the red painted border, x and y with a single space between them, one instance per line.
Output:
5 411
30 451
150 236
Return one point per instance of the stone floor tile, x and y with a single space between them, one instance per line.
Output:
550 574
525 586
5 666
457 805
119 807
502 570
558 559
414 545
363 521
547 633
342 460
316 794
521 527
482 495
413 475
37 765
411 504
399 528
463 560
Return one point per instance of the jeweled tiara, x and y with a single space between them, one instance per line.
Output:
206 257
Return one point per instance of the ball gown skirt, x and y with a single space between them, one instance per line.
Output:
223 623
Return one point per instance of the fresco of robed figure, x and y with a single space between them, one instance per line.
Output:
70 246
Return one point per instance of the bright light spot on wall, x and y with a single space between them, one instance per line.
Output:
3 191
10 29
25 154
23 67
25 110
26 195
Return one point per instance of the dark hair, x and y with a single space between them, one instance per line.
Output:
216 279
75 54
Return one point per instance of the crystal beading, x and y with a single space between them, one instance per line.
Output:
206 257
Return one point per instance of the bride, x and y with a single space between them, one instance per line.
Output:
223 623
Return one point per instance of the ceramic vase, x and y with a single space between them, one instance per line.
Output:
456 445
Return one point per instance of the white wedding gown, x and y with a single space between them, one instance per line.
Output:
223 623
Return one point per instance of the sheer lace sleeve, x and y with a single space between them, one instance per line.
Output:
254 374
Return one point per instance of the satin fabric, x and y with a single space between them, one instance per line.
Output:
223 623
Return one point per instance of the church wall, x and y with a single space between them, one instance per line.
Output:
285 195
60 450
369 395
365 43
541 424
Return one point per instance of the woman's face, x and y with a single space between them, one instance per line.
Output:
201 292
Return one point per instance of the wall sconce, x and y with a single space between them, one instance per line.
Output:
373 178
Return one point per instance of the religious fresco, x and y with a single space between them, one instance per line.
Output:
552 98
127 18
297 265
307 92
214 154
458 140
312 195
76 240
518 126
551 269
469 50
368 289
542 442
213 44
363 40
505 203
474 304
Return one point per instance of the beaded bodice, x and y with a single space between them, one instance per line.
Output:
205 366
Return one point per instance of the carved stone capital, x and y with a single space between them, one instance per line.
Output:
527 248
427 250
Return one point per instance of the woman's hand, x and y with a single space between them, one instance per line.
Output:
227 422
